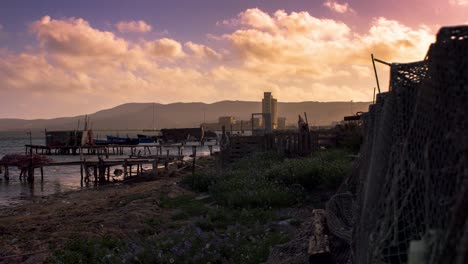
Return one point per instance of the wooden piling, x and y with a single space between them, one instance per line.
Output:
42 174
81 174
31 174
125 168
7 173
95 174
194 153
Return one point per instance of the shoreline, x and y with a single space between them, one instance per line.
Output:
122 220
66 210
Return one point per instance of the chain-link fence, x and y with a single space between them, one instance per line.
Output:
407 200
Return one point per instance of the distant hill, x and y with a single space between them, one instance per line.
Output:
176 115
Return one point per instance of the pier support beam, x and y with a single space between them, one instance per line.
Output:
7 173
194 154
31 174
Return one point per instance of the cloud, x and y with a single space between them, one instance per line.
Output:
75 36
337 7
133 26
165 47
297 56
202 51
459 2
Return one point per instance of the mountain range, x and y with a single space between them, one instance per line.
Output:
177 115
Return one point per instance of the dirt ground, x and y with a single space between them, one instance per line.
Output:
31 231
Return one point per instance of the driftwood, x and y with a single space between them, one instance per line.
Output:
319 246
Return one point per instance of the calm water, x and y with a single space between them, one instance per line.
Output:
56 179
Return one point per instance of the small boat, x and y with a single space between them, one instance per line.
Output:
101 142
122 140
144 139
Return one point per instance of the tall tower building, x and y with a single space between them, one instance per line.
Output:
270 106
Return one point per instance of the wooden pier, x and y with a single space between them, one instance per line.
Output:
99 171
107 150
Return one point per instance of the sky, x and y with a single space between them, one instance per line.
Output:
65 58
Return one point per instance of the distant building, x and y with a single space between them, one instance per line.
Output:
281 122
257 122
269 106
226 121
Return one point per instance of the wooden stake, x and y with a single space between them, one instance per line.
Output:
194 153
7 173
375 72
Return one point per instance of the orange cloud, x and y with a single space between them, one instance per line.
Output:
295 55
133 26
459 2
337 7
74 36
202 51
165 47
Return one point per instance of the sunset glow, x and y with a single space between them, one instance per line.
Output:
89 59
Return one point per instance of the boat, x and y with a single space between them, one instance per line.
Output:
144 139
122 140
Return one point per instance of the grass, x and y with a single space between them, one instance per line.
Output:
267 180
81 250
236 224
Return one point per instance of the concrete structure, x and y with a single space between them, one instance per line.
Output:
281 122
239 125
226 121
269 106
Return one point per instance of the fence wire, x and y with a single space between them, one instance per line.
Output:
407 199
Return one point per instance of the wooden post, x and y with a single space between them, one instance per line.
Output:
319 247
31 173
42 173
375 72
125 168
95 174
210 147
81 174
7 173
102 170
108 173
194 153
157 164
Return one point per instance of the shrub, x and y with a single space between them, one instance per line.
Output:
323 169
80 250
200 182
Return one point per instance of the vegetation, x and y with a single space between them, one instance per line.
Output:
234 219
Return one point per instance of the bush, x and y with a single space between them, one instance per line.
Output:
236 244
79 250
267 180
200 182
324 169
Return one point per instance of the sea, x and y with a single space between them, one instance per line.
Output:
57 179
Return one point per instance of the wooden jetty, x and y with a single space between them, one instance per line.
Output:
99 170
106 150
